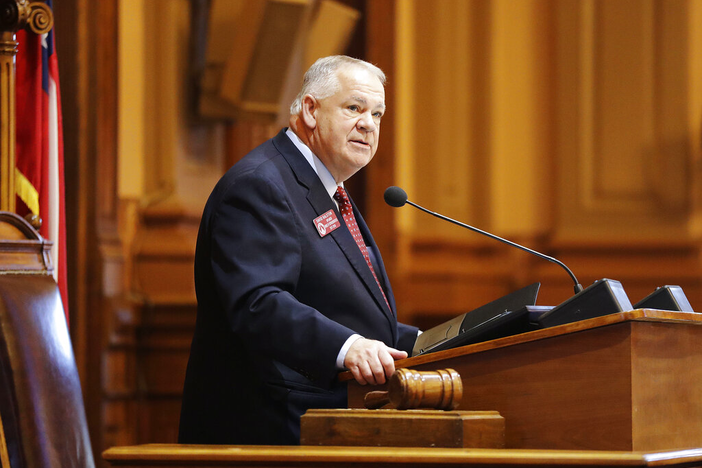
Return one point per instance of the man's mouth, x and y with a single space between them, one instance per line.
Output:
360 142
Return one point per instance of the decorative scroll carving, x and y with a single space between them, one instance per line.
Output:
41 18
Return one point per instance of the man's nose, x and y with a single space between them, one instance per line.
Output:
367 123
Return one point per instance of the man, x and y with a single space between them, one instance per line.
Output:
291 287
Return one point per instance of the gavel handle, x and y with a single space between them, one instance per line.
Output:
376 399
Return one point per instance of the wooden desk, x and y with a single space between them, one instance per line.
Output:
160 455
630 381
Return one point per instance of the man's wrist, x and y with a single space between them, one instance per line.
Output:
341 357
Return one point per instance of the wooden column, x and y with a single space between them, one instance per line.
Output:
14 15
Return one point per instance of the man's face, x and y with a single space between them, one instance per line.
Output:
348 123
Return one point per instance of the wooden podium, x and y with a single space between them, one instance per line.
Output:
626 382
623 390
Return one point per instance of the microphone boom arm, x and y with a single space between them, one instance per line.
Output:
577 288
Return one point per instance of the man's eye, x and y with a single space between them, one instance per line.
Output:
353 108
378 115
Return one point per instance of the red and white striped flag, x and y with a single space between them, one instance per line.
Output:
39 165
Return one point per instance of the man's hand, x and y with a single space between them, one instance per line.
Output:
371 362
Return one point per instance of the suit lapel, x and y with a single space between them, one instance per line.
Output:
321 202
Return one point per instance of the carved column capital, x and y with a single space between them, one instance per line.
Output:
13 15
16 14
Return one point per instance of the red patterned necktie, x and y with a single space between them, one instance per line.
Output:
347 212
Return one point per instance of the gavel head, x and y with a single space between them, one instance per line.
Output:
441 389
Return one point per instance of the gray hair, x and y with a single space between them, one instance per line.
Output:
321 81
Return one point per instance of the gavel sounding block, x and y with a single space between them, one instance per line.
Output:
406 426
403 428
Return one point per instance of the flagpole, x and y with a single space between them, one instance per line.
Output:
14 15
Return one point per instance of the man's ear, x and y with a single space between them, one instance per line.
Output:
310 105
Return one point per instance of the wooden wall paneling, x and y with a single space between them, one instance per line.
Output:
74 38
626 129
605 181
162 111
164 251
618 74
162 285
694 50
477 144
380 173
424 134
108 259
669 165
479 87
184 159
521 74
68 36
456 277
119 403
105 96
403 85
438 106
448 106
242 137
562 153
164 347
87 50
183 154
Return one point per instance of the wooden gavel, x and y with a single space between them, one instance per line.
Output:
409 389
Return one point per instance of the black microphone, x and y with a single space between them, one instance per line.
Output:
396 197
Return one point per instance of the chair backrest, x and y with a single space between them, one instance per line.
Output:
42 417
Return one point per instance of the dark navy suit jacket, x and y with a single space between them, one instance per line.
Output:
276 302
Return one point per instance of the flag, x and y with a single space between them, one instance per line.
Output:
39 162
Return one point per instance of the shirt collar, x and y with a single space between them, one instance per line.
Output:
322 172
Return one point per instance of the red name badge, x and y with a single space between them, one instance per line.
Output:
326 223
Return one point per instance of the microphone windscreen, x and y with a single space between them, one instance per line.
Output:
395 196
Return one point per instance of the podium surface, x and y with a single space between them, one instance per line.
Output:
630 381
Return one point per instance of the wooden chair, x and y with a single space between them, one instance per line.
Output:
42 417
